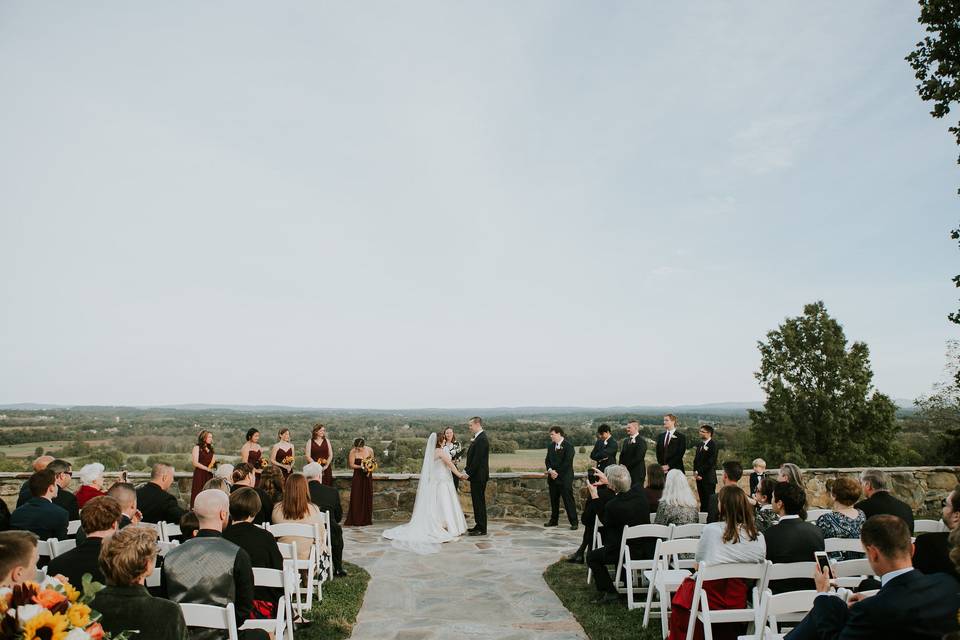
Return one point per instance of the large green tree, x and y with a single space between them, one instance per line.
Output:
821 408
939 412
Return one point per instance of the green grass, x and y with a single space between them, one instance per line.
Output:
333 618
600 622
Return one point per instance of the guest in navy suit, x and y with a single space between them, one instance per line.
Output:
39 514
908 605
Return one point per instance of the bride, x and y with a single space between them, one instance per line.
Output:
437 515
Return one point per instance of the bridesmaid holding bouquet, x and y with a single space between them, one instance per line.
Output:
203 463
252 453
320 450
282 453
361 461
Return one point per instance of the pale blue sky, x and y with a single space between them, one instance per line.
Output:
461 204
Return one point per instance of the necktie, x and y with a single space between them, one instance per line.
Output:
666 441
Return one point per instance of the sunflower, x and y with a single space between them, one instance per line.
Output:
46 626
72 594
79 615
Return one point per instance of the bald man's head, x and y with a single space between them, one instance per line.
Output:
212 508
42 462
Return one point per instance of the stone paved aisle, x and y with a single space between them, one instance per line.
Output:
483 587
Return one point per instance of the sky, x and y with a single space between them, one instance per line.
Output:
437 204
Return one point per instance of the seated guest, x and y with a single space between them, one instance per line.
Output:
677 504
154 500
126 495
189 525
224 472
4 516
908 605
18 557
763 501
271 481
296 508
931 551
327 499
759 469
792 539
210 570
876 487
732 539
219 484
732 472
626 509
245 476
39 464
259 544
100 518
844 521
91 483
791 473
654 486
591 507
63 471
39 514
128 558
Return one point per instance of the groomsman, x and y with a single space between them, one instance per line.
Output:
671 445
705 466
604 450
633 452
559 463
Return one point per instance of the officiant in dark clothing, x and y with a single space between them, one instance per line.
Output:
604 451
633 453
559 463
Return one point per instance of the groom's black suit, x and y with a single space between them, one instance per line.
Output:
478 472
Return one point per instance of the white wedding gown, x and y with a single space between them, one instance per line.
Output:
437 515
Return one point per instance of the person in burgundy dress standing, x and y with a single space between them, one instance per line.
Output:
281 455
320 450
252 454
361 488
203 463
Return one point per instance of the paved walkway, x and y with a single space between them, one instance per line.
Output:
481 587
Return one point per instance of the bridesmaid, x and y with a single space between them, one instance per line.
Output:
252 453
321 449
203 463
361 488
282 451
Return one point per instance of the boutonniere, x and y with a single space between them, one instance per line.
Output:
705 447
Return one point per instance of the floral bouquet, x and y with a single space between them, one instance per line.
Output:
369 465
287 460
322 462
264 463
456 451
51 610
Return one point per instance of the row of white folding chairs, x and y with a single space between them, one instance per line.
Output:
634 567
654 531
312 564
789 607
929 526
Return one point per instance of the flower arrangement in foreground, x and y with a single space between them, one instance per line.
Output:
51 610
369 464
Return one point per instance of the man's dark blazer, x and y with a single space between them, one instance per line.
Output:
673 455
68 501
931 554
560 461
593 507
24 494
158 505
266 504
882 503
604 453
42 517
633 457
912 605
626 509
792 540
705 462
328 499
4 516
478 459
76 562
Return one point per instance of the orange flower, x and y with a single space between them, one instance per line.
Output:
49 598
95 631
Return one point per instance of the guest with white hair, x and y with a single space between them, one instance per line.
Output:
677 504
327 499
225 471
91 483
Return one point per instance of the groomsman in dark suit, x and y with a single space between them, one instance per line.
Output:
633 452
559 463
671 445
705 465
604 450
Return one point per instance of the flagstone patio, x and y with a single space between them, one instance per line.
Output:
481 587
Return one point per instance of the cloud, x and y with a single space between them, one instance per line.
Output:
772 143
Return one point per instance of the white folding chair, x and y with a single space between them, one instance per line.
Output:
153 580
928 526
843 544
595 543
850 573
687 530
303 602
700 607
664 580
282 624
166 547
154 526
169 530
702 517
43 548
775 609
327 553
787 571
72 527
633 567
211 617
60 547
304 530
813 514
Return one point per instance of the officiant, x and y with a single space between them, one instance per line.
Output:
559 463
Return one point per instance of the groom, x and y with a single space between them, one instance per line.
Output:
478 472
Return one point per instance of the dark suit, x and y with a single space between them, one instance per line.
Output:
76 562
158 505
262 548
626 509
68 502
603 455
672 454
705 465
42 517
478 473
910 606
4 515
792 540
931 554
559 458
882 503
755 479
633 457
590 511
328 499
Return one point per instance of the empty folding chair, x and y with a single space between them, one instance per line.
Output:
630 566
168 531
282 624
700 607
774 610
210 617
60 547
665 578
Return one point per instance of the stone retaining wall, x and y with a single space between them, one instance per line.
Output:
525 495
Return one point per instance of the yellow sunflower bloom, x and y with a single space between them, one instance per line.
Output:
79 615
46 626
72 594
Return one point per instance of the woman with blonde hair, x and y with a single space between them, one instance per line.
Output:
677 504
